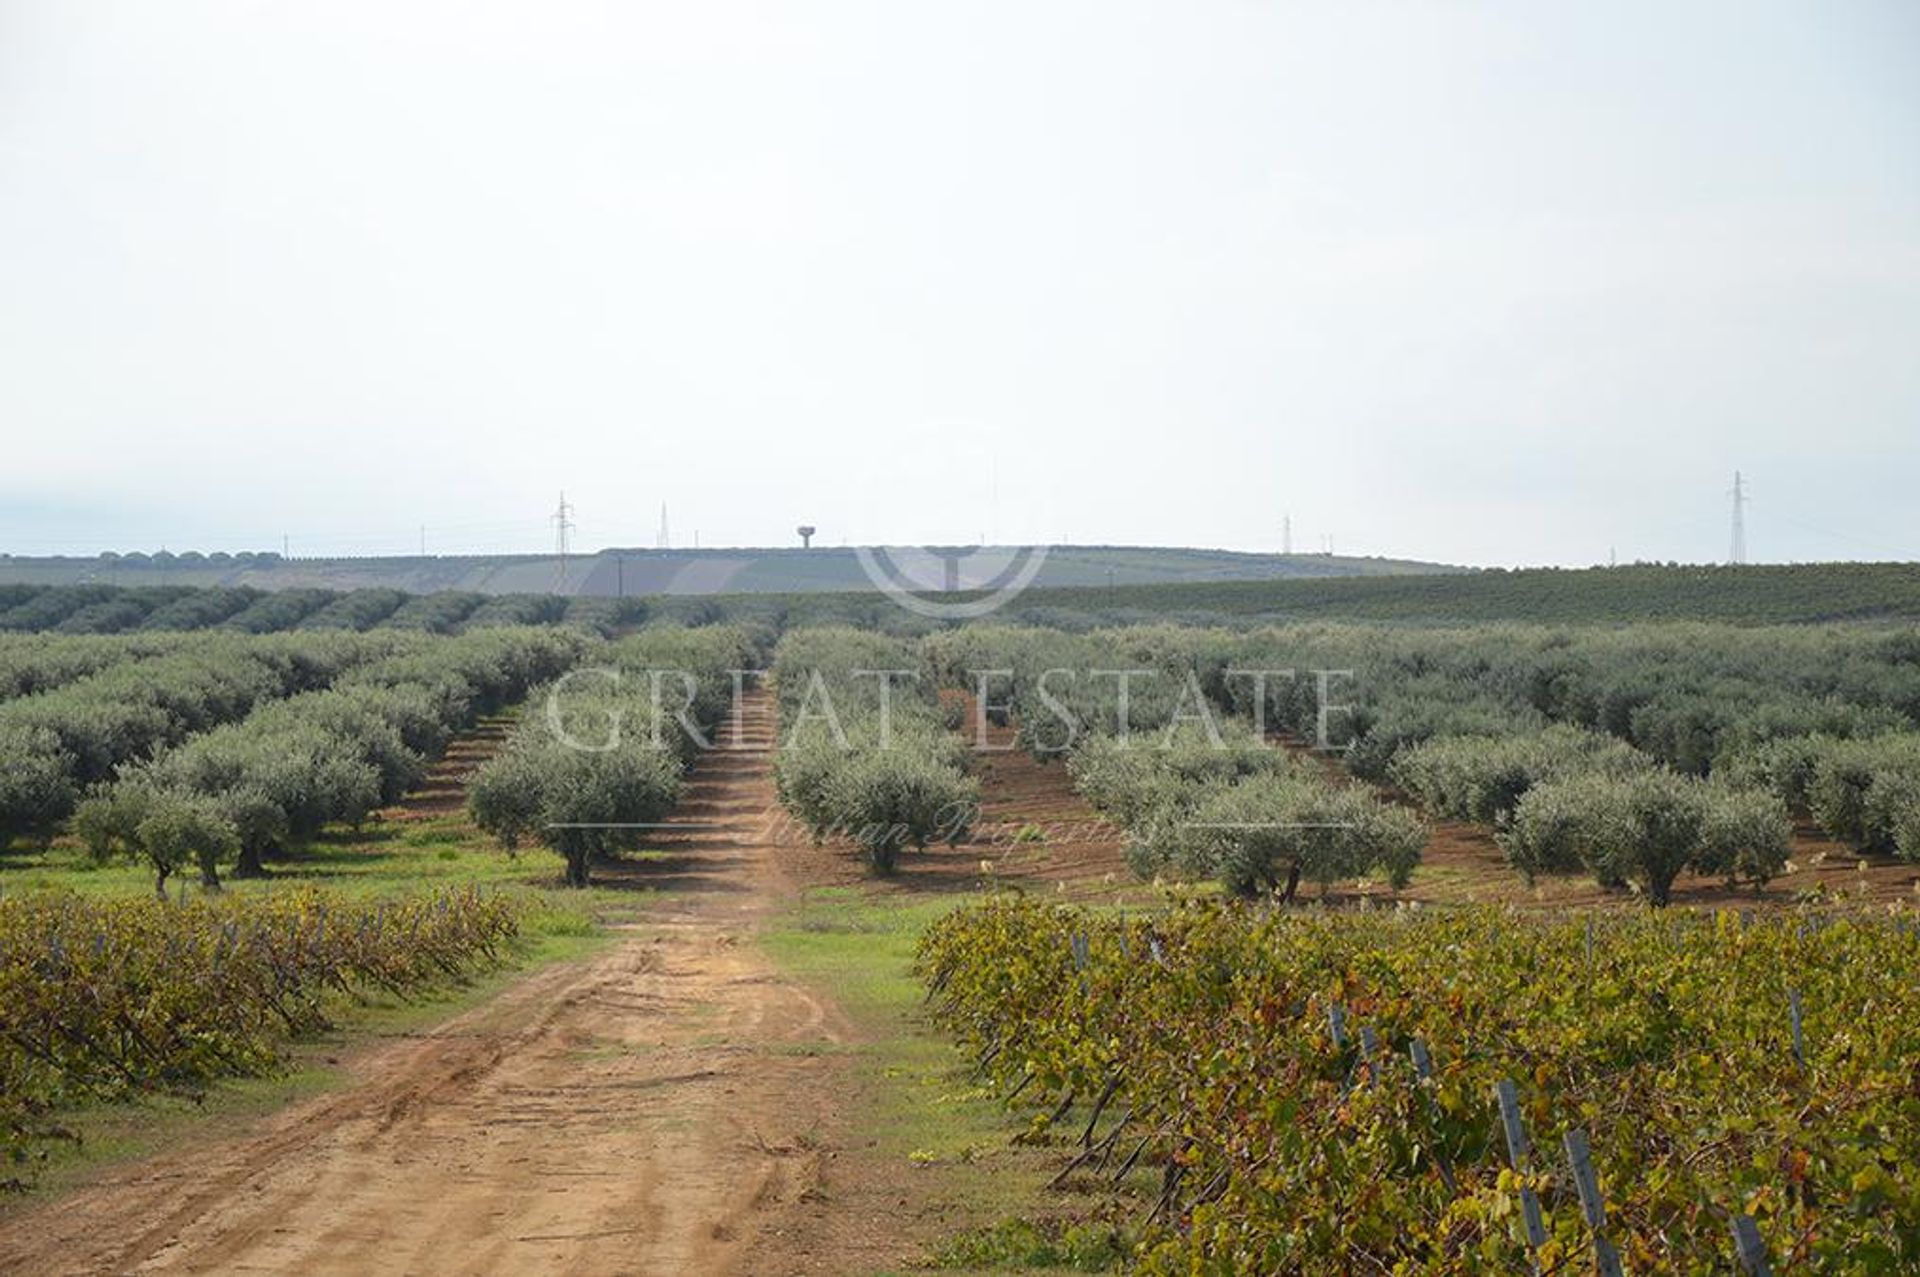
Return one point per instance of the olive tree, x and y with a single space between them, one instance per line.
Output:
1484 777
1864 792
1270 831
866 749
505 796
581 804
1646 829
259 823
36 784
179 831
169 830
899 797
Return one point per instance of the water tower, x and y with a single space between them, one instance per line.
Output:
806 531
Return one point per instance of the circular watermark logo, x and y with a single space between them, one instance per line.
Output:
916 577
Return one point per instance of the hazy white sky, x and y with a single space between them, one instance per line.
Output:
1495 283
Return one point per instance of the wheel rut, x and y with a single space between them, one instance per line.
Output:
666 1106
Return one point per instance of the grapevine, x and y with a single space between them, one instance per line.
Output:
115 998
1236 1043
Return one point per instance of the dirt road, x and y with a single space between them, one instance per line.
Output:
653 1110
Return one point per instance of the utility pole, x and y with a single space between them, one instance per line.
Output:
993 500
664 541
1286 534
562 525
1739 494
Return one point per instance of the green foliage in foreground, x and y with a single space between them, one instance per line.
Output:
1279 1148
1019 1243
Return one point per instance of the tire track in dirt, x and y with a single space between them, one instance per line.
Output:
663 1107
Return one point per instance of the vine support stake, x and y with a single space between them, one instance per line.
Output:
1592 1204
1508 1097
1423 1076
1749 1249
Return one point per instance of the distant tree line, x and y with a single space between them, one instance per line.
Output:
119 609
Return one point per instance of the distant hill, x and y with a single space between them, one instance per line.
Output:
693 572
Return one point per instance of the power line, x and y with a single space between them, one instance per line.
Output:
563 525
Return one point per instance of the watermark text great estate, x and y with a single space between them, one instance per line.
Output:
672 694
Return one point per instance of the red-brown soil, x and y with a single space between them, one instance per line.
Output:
445 788
672 1104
